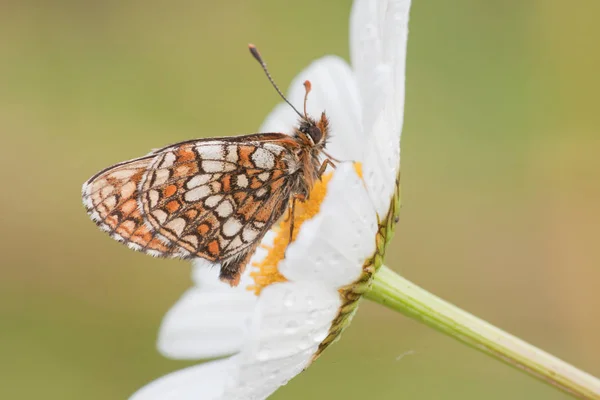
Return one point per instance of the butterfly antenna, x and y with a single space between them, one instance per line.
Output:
256 55
307 87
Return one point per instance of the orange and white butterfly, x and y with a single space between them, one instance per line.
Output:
210 198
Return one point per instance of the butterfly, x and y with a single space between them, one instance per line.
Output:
211 198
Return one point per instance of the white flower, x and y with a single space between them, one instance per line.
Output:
299 304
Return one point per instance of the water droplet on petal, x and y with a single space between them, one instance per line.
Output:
319 261
291 327
319 337
310 300
263 355
289 300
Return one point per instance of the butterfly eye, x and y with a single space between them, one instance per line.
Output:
315 134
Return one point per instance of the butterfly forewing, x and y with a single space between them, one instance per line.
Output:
212 198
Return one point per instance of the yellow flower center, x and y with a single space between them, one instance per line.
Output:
266 271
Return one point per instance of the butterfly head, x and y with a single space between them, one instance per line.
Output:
314 132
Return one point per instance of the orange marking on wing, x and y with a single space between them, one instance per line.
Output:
213 248
129 206
203 229
255 183
275 185
245 153
182 170
126 228
191 213
170 190
263 214
276 174
226 182
185 154
239 197
156 244
248 209
172 206
112 221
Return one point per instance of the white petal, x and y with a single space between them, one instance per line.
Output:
205 324
206 381
378 36
334 91
382 161
211 319
333 246
291 320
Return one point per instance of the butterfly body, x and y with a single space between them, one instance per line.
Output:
208 198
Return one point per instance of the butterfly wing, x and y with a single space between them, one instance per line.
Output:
212 198
110 198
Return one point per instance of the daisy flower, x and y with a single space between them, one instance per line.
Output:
296 298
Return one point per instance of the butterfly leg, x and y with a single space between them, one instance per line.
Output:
292 211
324 166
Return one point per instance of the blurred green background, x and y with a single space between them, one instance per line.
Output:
500 180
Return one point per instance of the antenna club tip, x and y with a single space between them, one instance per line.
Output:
307 86
255 53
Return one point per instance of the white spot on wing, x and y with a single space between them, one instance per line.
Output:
231 227
261 192
264 176
168 160
197 193
123 174
106 191
263 158
232 155
249 234
217 166
177 225
160 176
198 180
160 215
210 151
225 209
153 196
128 189
212 201
273 148
235 243
223 242
192 239
241 181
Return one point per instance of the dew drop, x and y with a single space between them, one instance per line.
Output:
289 300
263 355
310 300
319 261
319 337
291 327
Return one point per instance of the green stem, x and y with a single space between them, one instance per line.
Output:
399 294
